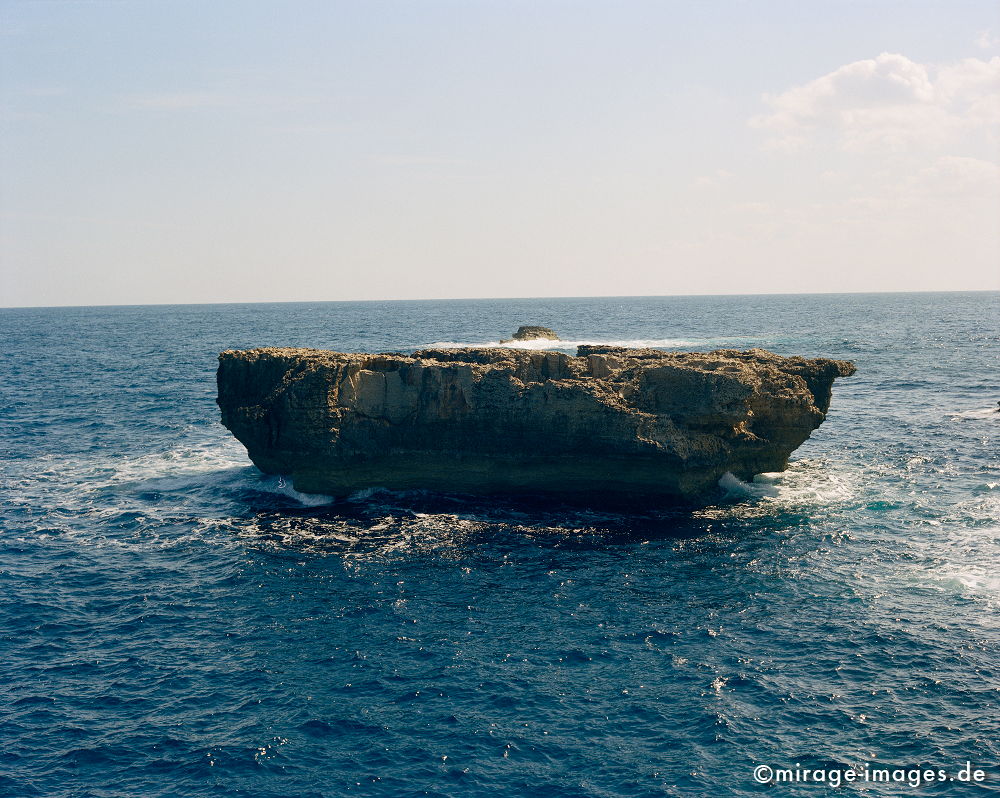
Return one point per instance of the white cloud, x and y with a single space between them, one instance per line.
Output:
897 168
986 40
888 103
955 176
949 184
717 177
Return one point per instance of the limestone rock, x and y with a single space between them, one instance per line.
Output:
609 424
532 332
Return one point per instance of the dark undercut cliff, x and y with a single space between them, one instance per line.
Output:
609 424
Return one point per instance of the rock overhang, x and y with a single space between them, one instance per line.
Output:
635 424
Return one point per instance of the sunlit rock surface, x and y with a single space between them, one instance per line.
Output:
607 425
532 332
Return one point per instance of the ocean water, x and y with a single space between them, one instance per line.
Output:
175 623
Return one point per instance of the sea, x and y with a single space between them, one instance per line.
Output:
175 623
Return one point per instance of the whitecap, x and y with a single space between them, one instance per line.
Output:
959 558
282 486
977 414
737 488
544 344
970 580
805 483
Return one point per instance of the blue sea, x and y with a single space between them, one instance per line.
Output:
175 623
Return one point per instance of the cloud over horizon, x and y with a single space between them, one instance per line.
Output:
161 153
888 104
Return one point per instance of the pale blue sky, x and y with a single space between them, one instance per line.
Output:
223 151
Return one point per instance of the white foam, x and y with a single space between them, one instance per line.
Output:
283 486
542 344
79 477
206 473
174 468
737 488
968 582
979 414
960 561
209 465
806 482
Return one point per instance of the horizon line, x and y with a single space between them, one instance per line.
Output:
493 299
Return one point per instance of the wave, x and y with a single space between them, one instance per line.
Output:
962 579
207 470
209 467
978 414
806 482
173 469
959 559
542 344
82 475
282 486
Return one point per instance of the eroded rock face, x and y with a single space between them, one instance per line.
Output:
609 424
532 332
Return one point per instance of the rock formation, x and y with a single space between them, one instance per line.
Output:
608 424
531 332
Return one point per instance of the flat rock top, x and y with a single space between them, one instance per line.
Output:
497 419
605 362
531 332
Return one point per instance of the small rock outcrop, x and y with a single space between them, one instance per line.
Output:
608 424
532 332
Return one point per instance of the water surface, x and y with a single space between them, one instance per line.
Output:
175 623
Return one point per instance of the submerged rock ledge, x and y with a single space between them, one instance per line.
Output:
608 424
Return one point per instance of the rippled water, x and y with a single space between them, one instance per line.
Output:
177 624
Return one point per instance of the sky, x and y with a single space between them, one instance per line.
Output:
181 152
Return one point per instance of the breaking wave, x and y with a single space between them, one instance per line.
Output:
543 344
174 620
978 414
282 486
806 482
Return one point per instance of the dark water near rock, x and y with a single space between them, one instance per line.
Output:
176 624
